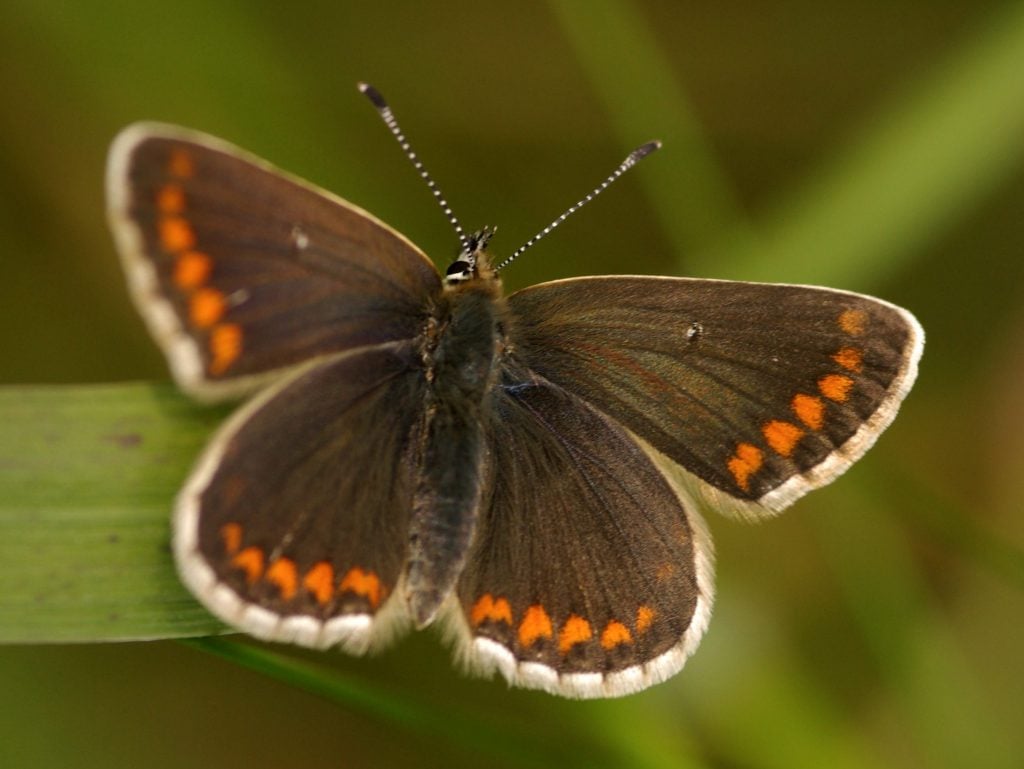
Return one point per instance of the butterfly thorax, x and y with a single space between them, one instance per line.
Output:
461 356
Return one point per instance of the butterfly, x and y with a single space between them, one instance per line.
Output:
529 470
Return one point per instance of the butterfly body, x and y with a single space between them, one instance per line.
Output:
462 358
528 470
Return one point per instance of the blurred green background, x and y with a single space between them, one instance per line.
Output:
872 146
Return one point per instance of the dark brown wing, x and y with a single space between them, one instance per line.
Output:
241 271
589 576
294 524
759 392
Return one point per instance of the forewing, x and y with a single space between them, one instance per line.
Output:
588 576
294 524
241 271
758 392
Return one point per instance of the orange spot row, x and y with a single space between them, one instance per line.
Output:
284 573
782 436
206 305
536 624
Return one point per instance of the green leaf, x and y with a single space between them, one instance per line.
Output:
88 476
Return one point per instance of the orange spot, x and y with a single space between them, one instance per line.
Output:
180 164
250 561
225 346
487 608
231 533
782 436
809 409
364 583
176 234
850 358
853 321
536 624
644 618
320 581
615 634
835 387
576 630
206 307
665 571
191 270
745 463
282 573
170 199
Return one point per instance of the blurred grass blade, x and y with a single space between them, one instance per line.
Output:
688 189
947 714
88 475
504 738
944 146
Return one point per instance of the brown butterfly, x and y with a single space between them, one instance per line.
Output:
530 469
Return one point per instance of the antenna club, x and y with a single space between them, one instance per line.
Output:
373 95
645 149
639 154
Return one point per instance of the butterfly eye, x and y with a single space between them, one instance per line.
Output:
459 271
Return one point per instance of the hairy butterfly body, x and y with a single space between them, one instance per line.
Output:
531 470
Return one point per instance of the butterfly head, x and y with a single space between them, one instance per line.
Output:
472 263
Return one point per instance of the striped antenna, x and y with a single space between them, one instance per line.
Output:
389 120
634 157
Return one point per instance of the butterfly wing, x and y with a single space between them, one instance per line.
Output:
589 576
294 523
757 393
242 271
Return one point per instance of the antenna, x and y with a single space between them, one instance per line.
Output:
389 120
631 160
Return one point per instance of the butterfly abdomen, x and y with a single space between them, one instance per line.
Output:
461 368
